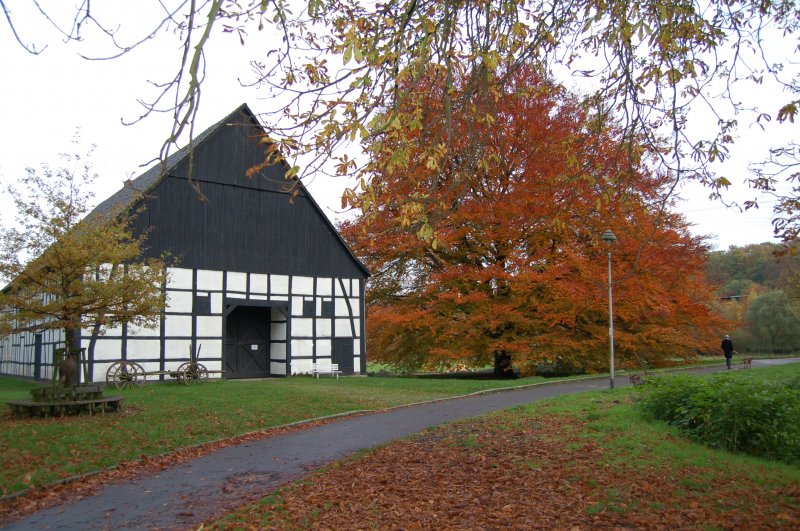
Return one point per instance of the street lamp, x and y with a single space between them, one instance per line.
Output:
609 238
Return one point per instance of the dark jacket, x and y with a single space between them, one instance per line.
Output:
727 347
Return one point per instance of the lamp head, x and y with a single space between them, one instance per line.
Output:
608 237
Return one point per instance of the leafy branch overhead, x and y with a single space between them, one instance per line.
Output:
676 75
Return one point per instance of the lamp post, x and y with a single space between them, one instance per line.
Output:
609 238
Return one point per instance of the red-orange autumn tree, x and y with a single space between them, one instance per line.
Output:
506 263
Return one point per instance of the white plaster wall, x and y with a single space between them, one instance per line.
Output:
324 287
278 331
140 331
209 280
302 286
277 368
301 366
179 278
209 348
144 348
297 306
340 308
177 348
302 347
237 282
323 347
279 284
209 325
342 328
277 351
302 327
259 283
216 303
177 325
179 301
107 349
324 327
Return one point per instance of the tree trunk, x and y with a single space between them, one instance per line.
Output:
502 365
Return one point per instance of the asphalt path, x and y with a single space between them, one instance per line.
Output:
188 494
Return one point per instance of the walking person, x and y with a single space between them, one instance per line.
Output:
727 349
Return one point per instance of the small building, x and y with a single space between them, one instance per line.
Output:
263 284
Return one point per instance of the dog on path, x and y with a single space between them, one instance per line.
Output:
748 362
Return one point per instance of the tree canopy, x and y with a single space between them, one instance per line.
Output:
508 259
67 271
674 75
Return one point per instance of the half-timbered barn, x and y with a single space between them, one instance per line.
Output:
263 284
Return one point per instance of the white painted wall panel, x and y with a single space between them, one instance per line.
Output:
342 328
215 365
356 307
302 327
324 327
277 351
301 366
108 349
237 282
340 308
297 306
140 331
209 280
324 287
143 349
302 347
177 348
179 301
323 347
216 303
259 283
278 331
209 348
277 368
178 325
302 286
279 284
209 325
179 278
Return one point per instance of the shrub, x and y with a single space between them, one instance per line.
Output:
733 411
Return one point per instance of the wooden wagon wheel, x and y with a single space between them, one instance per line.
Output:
128 374
190 372
112 369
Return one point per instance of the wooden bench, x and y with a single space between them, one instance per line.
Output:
30 408
325 368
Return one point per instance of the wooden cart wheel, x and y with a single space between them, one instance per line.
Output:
128 374
112 369
189 372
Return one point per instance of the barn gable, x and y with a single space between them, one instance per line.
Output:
231 221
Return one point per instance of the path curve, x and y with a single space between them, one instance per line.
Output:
186 495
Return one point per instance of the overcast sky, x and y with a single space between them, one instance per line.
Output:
46 97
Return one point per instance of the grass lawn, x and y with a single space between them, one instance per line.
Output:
579 461
158 418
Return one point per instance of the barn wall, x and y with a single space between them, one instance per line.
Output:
321 310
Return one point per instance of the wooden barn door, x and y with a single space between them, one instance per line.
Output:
343 354
247 342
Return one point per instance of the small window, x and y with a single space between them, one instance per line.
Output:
327 308
202 305
309 308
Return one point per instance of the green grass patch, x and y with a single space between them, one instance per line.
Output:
158 418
